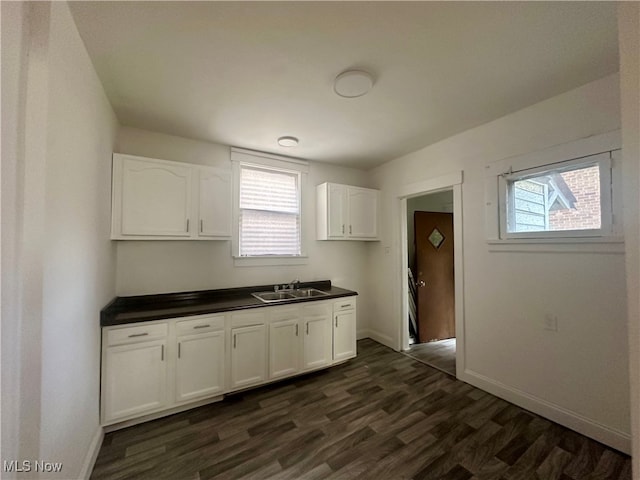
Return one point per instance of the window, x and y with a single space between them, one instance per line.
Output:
563 199
269 212
268 209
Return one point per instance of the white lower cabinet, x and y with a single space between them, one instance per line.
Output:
153 367
134 371
344 329
317 338
200 366
150 367
284 343
248 365
136 381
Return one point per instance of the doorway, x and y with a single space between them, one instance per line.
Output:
430 260
449 182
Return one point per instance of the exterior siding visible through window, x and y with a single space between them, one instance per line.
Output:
269 220
565 198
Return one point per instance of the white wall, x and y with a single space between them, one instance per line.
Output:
66 263
174 266
15 38
579 373
629 41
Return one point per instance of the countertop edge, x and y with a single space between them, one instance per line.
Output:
147 308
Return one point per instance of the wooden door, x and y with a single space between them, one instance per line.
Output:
434 275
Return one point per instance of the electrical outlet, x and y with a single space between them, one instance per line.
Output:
550 322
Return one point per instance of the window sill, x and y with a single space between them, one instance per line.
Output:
270 261
614 245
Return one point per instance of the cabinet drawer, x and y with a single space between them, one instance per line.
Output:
245 319
137 333
284 313
200 324
316 308
348 303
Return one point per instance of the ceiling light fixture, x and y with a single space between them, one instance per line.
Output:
287 141
353 83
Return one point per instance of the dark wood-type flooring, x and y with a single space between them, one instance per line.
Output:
382 415
440 354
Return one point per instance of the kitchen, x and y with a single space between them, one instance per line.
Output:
60 266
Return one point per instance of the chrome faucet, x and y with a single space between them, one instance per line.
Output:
294 285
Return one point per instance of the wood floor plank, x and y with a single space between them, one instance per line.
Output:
382 415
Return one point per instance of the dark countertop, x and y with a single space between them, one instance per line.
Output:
144 308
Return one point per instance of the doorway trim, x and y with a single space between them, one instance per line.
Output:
453 182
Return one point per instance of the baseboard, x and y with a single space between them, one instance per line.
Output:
92 454
112 427
378 337
609 436
360 334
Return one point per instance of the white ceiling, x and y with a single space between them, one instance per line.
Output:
246 73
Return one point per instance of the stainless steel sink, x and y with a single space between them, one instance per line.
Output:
274 296
282 295
309 292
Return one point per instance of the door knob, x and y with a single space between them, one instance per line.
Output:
420 283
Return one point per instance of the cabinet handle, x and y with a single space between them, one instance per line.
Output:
307 328
343 228
234 340
350 232
296 329
138 335
336 320
201 326
201 226
162 354
179 345
345 305
187 224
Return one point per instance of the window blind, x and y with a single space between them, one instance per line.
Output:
269 212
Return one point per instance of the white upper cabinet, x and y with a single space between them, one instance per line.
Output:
162 200
155 198
336 205
344 212
363 213
214 202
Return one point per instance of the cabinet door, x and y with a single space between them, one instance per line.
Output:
344 335
199 365
248 356
214 202
156 198
317 341
363 213
336 211
284 348
135 379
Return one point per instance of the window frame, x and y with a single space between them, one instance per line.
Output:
582 147
265 161
602 160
